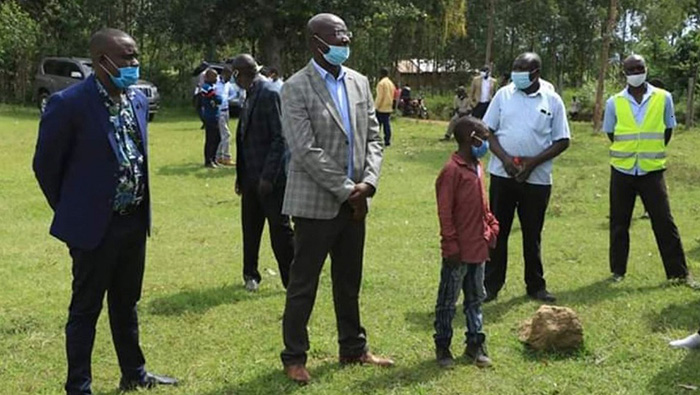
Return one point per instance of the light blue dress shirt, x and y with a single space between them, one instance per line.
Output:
526 125
336 88
639 110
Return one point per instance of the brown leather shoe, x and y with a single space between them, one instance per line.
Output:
297 373
367 358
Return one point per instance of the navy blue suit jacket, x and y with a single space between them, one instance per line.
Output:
75 162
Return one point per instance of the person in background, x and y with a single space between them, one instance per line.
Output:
639 122
460 108
384 103
261 172
210 112
224 88
91 163
468 230
274 75
574 109
481 92
528 130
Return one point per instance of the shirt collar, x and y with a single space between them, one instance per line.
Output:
106 98
647 94
460 161
324 73
533 94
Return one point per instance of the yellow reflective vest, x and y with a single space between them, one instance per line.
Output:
639 143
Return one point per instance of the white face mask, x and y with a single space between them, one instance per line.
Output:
637 79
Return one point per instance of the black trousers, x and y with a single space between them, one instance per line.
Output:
652 189
255 210
506 195
480 109
116 267
314 239
212 138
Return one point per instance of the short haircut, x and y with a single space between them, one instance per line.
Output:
384 72
464 126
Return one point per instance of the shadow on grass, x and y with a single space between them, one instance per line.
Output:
199 301
676 316
275 382
531 355
196 169
679 378
391 379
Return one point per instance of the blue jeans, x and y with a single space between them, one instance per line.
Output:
384 119
470 279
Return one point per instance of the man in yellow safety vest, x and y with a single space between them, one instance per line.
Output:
639 122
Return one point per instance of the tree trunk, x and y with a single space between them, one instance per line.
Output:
489 37
604 54
690 108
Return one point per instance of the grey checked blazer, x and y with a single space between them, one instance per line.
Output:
317 182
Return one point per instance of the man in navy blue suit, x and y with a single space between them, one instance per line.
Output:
91 162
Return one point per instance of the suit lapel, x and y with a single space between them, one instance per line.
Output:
99 109
137 107
250 105
353 98
319 86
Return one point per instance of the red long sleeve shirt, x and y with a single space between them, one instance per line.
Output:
467 226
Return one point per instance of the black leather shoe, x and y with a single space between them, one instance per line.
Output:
544 296
149 381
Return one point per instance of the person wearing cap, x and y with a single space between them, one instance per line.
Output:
639 122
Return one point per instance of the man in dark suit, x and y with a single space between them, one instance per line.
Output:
261 171
91 163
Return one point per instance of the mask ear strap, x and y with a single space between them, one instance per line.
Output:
110 61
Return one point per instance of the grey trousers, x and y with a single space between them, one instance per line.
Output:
224 150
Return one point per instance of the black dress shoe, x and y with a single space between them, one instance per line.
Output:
149 381
544 296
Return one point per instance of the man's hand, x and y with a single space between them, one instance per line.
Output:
264 187
360 192
511 167
359 210
237 187
527 165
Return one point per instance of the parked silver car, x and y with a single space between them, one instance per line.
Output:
55 74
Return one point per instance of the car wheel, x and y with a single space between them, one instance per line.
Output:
151 116
43 99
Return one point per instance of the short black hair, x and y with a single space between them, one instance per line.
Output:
384 72
464 126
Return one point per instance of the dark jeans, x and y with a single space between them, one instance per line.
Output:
212 138
116 267
469 278
506 195
314 239
652 189
255 209
384 119
480 110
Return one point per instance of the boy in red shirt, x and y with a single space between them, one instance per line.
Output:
467 230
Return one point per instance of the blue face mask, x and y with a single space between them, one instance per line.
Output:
127 75
521 79
337 54
480 151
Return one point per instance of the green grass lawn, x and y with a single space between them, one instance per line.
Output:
200 325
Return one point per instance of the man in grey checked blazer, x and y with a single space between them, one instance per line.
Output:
330 126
